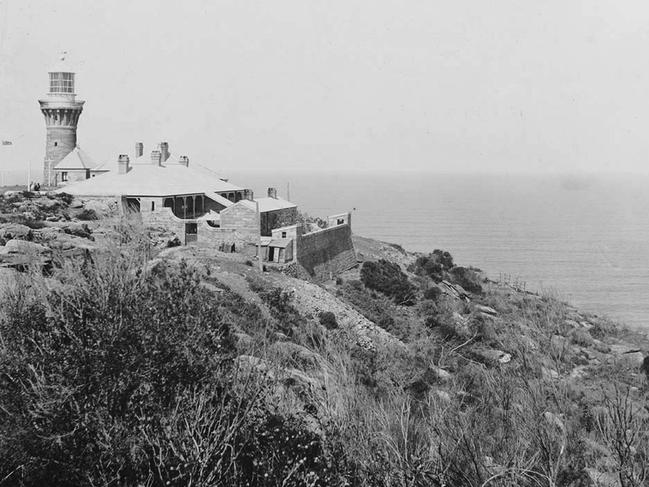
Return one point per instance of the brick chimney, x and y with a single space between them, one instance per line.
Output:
156 158
272 193
122 164
164 151
184 160
139 149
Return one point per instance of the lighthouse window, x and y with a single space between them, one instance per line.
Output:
56 144
64 176
61 82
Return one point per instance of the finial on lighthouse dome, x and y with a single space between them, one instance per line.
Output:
63 64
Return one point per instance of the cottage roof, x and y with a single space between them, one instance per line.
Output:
77 159
282 243
272 204
147 179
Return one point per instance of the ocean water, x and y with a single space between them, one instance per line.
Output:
585 238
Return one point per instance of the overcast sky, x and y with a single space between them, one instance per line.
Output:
503 85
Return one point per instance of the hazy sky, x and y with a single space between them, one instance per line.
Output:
502 85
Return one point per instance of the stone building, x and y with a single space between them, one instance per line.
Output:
193 202
63 161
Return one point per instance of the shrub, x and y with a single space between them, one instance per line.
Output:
87 214
432 293
328 320
581 337
339 281
249 263
388 278
78 385
174 242
467 278
433 265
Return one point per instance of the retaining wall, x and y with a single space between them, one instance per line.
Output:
325 253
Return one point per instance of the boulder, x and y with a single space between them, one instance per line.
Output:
485 309
47 204
440 395
628 354
65 242
15 246
603 479
15 230
441 374
492 357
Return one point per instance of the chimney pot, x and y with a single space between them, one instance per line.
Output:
156 157
184 160
272 193
122 164
139 149
164 151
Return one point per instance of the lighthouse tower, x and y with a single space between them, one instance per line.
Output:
61 111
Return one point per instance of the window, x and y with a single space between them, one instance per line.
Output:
56 144
283 234
64 176
61 82
153 206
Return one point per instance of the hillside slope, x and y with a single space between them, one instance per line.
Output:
123 362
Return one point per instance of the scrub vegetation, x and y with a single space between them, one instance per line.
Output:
135 366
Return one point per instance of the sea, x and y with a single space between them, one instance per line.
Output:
583 238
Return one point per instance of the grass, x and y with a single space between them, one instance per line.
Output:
117 372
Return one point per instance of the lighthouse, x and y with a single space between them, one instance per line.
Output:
61 110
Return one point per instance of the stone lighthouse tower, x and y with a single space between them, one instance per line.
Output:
61 111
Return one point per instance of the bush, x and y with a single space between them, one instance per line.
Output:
388 278
433 265
432 293
87 214
174 242
88 364
467 278
328 320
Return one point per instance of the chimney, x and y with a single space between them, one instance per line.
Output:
139 149
122 164
164 151
272 193
184 160
156 157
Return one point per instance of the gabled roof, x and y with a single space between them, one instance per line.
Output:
147 179
272 204
77 159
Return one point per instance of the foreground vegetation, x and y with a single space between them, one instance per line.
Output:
119 369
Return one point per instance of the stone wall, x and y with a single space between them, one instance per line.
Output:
325 253
240 235
242 217
276 219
